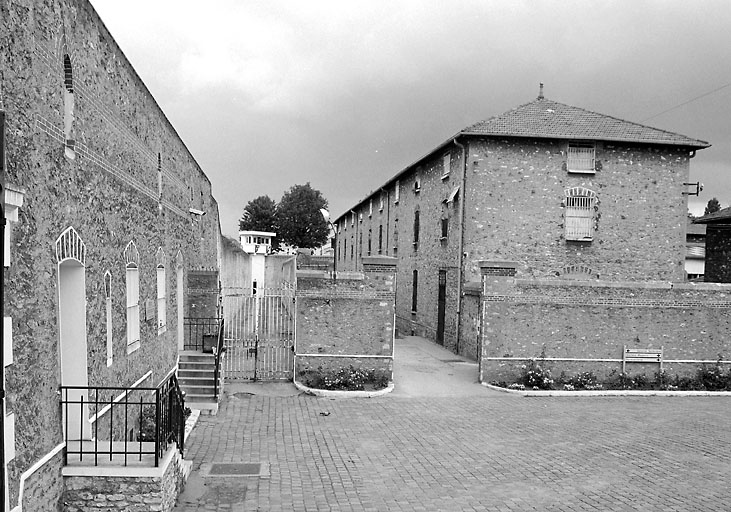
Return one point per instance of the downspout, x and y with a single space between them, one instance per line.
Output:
460 246
3 482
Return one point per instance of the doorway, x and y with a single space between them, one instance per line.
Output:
441 305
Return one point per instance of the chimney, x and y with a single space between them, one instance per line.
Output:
540 92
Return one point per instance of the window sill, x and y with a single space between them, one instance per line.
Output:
109 362
162 329
413 312
580 239
577 171
131 347
442 238
445 176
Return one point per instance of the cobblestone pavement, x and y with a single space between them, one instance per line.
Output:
469 450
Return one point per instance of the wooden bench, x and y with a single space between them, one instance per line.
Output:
641 355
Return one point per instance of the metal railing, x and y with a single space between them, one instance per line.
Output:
197 330
218 353
124 425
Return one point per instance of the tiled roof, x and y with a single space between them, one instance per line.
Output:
549 119
719 216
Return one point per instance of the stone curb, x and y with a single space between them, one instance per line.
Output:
606 392
343 394
190 423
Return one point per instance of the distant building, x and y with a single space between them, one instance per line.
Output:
718 246
695 257
545 191
258 244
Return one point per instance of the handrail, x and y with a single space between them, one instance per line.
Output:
154 415
218 355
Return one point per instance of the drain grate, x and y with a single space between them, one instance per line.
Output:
235 469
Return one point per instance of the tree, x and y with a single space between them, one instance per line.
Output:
260 214
299 220
712 207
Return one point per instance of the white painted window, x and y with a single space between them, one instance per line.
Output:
370 207
133 297
162 301
581 158
380 205
108 307
579 216
397 192
417 185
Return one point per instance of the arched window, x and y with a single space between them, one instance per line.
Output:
68 107
162 301
132 261
579 217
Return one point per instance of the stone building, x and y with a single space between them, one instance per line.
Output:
109 216
543 191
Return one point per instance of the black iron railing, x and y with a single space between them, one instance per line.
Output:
218 352
200 333
122 425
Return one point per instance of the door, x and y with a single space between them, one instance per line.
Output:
441 305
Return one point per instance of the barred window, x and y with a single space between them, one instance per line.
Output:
580 158
132 257
579 221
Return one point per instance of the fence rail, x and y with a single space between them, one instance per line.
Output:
196 331
119 425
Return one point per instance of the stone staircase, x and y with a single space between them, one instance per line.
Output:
196 372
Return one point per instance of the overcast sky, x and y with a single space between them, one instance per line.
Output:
268 94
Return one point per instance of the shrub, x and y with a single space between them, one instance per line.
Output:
535 375
347 378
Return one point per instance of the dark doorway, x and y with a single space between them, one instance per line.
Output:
441 305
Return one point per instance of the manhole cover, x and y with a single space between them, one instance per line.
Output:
235 469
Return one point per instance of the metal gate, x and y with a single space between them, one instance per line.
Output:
259 333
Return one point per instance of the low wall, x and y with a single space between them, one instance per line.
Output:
346 319
126 488
584 325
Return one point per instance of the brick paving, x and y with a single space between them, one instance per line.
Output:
474 449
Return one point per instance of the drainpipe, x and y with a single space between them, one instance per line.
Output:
3 483
460 246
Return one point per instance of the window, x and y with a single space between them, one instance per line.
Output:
132 257
417 186
162 303
345 247
414 290
380 205
579 223
447 165
369 242
416 229
445 228
580 158
352 218
360 245
370 207
380 239
108 307
360 217
352 247
395 237
397 191
68 108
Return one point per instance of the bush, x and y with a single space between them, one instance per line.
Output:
535 375
347 378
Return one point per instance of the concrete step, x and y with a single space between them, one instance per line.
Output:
197 365
198 390
196 381
195 356
186 374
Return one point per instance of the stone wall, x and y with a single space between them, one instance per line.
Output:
350 315
128 493
93 151
582 326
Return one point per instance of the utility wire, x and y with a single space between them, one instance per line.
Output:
685 103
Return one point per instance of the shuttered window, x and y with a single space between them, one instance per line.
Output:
579 215
580 158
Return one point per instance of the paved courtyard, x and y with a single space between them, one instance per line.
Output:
441 441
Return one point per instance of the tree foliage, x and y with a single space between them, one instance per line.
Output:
260 214
299 220
712 207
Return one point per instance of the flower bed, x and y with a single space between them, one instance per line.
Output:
346 378
536 376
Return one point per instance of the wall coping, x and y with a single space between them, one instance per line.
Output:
643 285
325 274
498 264
124 471
379 260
